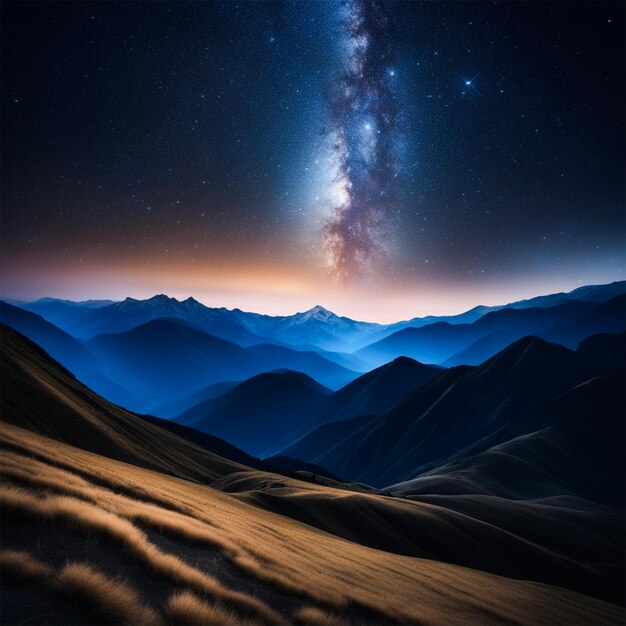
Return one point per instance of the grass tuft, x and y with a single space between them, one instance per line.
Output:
91 518
114 601
311 616
23 566
186 609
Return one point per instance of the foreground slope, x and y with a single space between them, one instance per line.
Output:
118 519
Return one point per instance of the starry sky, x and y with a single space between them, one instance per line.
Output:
385 160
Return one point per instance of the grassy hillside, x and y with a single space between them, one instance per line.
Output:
107 518
130 545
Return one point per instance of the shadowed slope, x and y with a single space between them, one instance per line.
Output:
40 395
608 350
320 441
575 446
163 360
378 390
456 410
68 351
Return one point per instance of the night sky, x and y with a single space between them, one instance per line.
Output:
383 160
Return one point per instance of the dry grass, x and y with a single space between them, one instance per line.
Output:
94 519
331 571
311 616
43 476
20 565
114 601
186 609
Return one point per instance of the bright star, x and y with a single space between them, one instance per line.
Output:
468 82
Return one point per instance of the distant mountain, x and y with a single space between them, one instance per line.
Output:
449 344
467 317
481 349
271 357
72 354
121 316
606 317
166 360
163 360
90 304
317 326
587 293
65 314
458 409
317 329
262 414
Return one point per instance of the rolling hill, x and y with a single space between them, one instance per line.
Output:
102 514
458 409
262 414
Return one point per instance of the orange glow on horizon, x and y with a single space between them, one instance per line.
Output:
274 290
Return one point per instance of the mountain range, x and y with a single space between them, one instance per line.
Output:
499 458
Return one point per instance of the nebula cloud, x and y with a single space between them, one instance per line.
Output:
364 127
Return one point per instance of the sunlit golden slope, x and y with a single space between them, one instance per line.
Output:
163 534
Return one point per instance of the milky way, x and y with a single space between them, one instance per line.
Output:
364 123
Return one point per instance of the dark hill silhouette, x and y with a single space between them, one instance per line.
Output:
321 440
272 357
262 414
608 350
375 392
458 409
481 349
575 446
171 409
